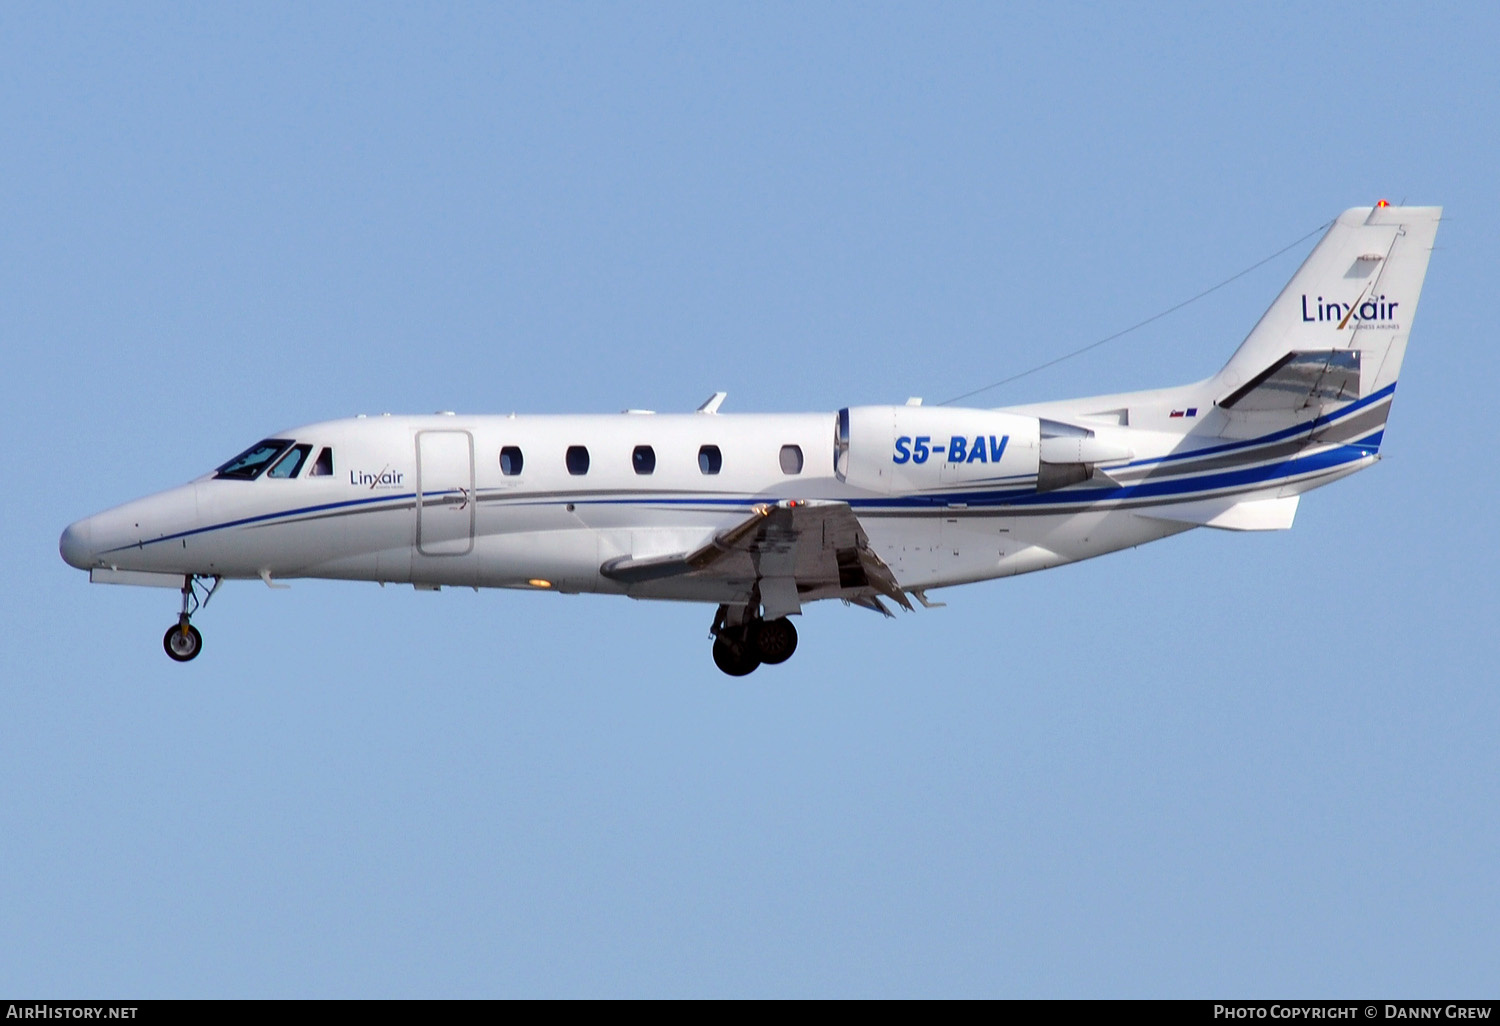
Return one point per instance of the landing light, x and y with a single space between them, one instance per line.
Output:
537 582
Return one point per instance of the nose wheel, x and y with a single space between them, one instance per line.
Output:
182 641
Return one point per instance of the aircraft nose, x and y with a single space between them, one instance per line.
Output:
77 544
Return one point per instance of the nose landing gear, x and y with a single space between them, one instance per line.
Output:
742 642
182 641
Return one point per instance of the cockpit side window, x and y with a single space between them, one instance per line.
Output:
291 463
323 465
248 465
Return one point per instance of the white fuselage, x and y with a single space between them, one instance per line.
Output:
425 500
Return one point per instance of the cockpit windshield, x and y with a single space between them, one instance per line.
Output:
248 465
292 462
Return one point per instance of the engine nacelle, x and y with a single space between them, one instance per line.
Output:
913 449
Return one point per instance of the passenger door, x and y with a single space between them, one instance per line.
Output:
445 493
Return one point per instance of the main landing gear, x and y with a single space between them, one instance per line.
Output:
743 642
182 640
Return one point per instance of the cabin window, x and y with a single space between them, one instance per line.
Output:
511 460
791 459
248 465
643 459
291 463
323 465
710 459
578 460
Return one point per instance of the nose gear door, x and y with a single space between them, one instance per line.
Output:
445 493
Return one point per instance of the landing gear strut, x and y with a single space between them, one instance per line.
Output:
742 641
182 640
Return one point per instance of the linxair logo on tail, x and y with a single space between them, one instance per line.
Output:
1376 311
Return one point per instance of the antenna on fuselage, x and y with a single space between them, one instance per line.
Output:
713 402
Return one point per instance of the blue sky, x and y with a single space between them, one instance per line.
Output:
1218 766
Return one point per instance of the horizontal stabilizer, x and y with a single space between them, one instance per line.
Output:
1231 515
1300 380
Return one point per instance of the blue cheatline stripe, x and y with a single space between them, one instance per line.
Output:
1275 436
1296 467
1180 488
1358 449
1177 487
263 517
1020 497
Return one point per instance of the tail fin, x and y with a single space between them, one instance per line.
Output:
1338 331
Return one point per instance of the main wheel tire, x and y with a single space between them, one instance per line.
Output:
734 658
774 640
182 645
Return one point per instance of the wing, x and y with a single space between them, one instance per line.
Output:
782 553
